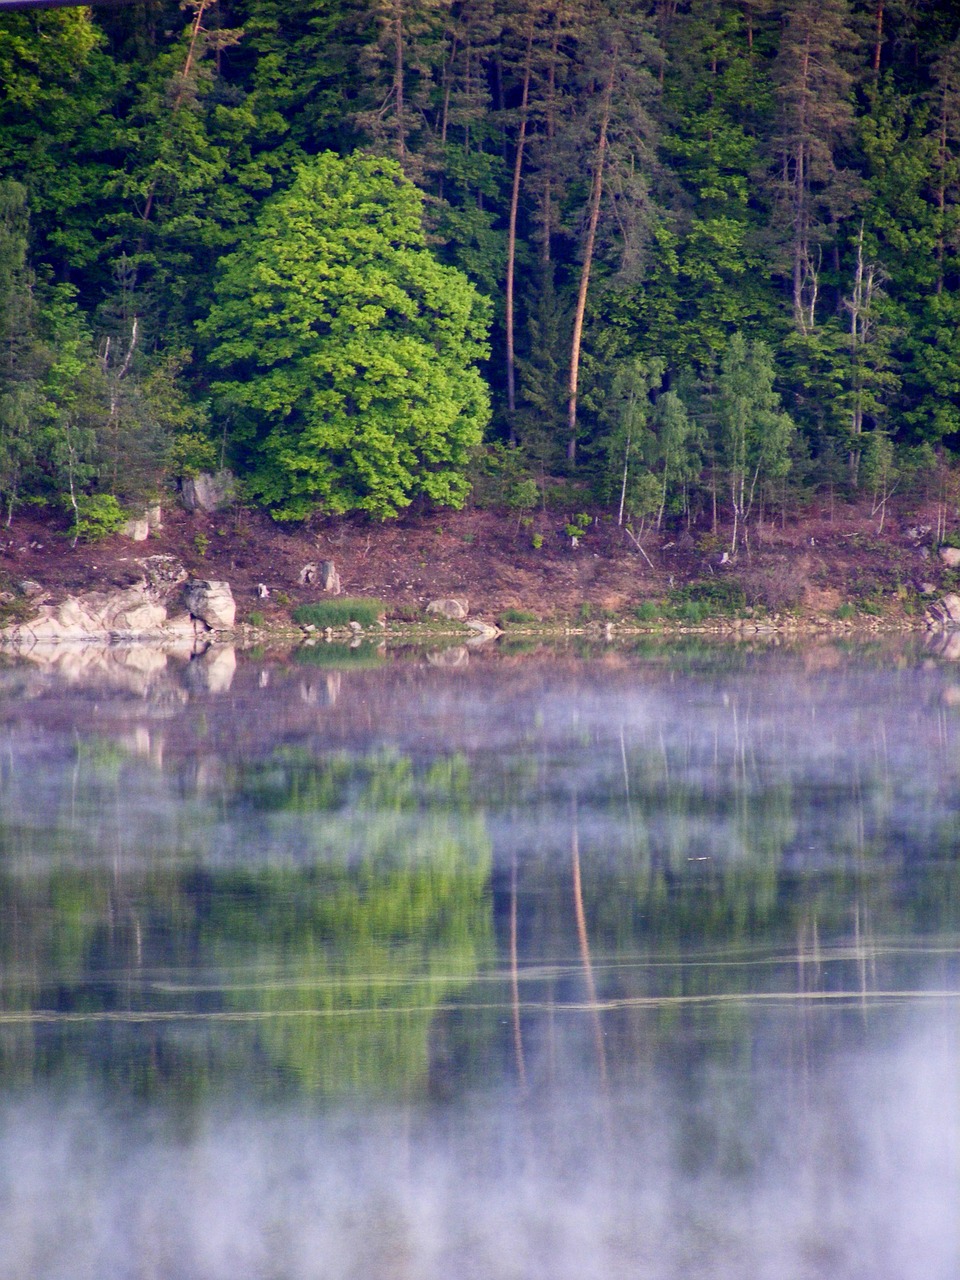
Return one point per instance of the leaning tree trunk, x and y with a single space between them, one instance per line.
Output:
512 239
596 194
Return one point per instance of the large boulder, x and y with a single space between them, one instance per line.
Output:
210 602
208 491
329 577
455 610
162 573
136 528
950 557
945 612
126 614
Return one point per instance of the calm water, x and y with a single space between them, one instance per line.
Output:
641 965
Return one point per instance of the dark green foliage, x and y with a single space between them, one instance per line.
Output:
669 176
717 595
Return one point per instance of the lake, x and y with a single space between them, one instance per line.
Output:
615 963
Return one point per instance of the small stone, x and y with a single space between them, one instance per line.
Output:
950 557
263 591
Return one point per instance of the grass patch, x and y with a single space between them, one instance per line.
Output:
340 612
709 598
519 617
695 603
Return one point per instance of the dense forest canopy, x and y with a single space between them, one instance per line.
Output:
704 254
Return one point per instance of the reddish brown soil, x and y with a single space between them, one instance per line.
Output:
817 562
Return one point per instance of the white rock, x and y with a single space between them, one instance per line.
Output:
483 630
950 557
207 492
138 529
329 577
455 610
211 602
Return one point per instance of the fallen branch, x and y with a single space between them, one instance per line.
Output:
636 542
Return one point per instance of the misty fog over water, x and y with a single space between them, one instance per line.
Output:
645 965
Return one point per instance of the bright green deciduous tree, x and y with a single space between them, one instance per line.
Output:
755 433
349 350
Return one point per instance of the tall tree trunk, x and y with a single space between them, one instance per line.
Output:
398 80
942 189
551 126
596 194
877 35
178 100
512 237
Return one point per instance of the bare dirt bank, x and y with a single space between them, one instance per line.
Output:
822 569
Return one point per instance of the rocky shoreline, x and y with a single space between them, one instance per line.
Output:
214 577
168 606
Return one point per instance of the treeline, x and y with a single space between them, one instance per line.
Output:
706 254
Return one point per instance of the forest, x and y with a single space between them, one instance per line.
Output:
695 260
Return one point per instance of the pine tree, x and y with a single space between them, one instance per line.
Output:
813 189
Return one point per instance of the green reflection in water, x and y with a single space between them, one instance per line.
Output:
317 968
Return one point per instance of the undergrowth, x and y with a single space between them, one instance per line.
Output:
340 612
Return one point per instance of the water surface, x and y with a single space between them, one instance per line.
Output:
539 966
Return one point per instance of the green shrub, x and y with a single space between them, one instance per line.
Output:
712 595
337 613
518 616
693 611
648 611
97 516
